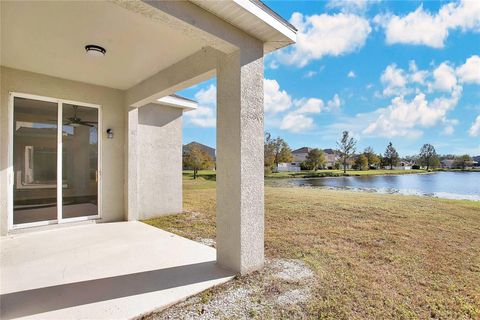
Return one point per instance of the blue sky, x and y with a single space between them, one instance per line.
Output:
406 72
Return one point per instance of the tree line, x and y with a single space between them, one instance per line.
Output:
277 151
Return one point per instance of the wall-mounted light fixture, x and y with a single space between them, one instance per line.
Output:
109 133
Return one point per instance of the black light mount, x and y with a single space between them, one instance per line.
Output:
94 50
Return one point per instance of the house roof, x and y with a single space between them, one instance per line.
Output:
207 149
254 18
329 151
302 150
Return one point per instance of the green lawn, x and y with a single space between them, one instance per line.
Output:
375 256
210 174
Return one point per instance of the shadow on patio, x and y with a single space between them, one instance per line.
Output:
116 270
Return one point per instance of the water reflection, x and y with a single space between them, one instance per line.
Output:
452 185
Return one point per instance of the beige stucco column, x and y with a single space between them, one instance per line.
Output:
240 200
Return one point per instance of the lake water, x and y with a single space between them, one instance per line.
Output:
450 185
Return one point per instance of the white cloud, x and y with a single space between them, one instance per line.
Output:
351 74
444 77
403 117
310 74
207 96
474 130
448 130
417 76
449 126
311 105
275 100
294 122
394 80
300 119
273 65
321 35
348 5
469 72
204 115
424 28
334 103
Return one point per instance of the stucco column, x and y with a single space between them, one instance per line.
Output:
131 195
240 200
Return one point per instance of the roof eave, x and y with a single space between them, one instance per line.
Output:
178 102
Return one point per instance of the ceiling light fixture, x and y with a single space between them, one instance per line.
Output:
94 50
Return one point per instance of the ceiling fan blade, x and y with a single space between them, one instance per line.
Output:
83 123
90 122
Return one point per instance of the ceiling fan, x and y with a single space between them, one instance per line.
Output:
76 121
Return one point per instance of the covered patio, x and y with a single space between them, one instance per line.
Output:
117 270
91 137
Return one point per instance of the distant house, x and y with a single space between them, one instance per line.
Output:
403 165
300 155
477 161
289 167
330 158
447 163
452 164
209 150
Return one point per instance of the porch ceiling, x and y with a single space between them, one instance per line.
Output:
101 271
49 37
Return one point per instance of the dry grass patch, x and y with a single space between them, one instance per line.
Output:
373 255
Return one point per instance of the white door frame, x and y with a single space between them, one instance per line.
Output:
11 175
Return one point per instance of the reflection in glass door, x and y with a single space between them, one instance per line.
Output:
34 161
44 177
80 161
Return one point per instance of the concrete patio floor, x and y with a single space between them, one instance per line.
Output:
101 271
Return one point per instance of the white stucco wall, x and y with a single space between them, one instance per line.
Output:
113 116
159 151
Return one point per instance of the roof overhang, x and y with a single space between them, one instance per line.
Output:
254 18
178 102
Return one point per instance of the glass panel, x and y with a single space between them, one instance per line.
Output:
34 161
80 161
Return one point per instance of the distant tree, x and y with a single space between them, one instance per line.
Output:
268 153
428 156
346 148
315 159
197 159
282 151
337 165
372 158
391 156
361 162
462 161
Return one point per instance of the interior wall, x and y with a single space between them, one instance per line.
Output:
113 116
159 160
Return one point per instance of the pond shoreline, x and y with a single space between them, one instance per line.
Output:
444 185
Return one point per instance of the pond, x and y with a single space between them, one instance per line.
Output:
450 185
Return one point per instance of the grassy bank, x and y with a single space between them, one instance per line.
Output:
374 256
210 175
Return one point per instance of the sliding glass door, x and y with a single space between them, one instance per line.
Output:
80 161
34 161
55 161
